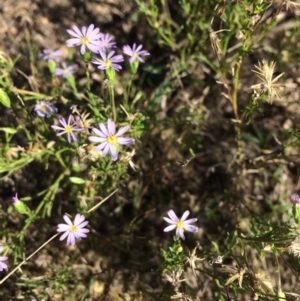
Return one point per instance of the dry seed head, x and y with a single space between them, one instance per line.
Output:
84 121
238 275
263 283
214 40
294 247
88 151
174 278
82 116
81 151
127 158
181 297
192 259
93 153
93 175
291 5
264 71
14 152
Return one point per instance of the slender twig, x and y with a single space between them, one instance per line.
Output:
99 204
26 259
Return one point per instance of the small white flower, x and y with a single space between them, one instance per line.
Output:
180 224
86 37
73 231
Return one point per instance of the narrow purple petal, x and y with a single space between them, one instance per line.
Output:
180 233
114 153
60 134
173 216
101 146
77 30
125 141
78 219
99 133
82 225
71 239
139 48
103 129
185 215
111 126
127 50
191 228
90 30
82 49
83 30
73 42
69 138
92 47
170 228
67 219
122 130
116 67
58 127
79 235
62 121
97 139
62 227
105 150
190 221
140 59
64 236
169 220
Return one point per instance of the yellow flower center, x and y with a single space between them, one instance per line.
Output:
44 109
73 228
84 40
108 63
179 224
68 129
112 140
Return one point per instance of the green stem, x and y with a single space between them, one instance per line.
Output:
49 196
88 77
112 102
235 89
235 109
127 94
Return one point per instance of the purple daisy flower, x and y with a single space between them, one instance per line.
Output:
87 37
135 53
48 54
109 61
45 109
3 265
68 128
106 42
73 231
65 71
180 224
109 139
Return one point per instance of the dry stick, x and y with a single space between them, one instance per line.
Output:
55 235
41 247
96 206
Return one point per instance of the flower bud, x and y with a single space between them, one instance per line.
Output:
296 208
20 206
